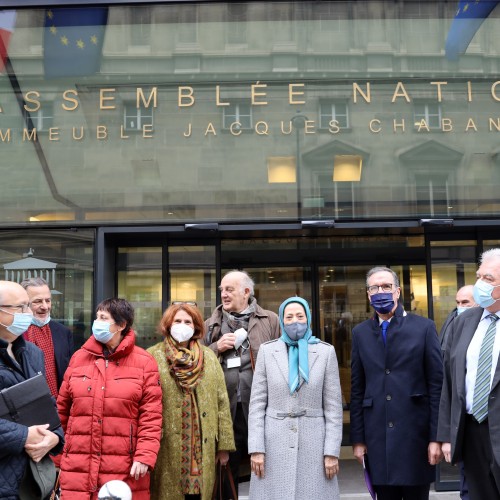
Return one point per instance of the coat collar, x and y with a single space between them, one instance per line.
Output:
124 347
280 354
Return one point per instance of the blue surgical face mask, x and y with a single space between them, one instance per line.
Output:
482 294
21 323
460 310
296 330
100 330
383 303
40 322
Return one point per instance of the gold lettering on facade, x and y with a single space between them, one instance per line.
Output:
218 102
103 97
77 137
255 94
286 132
469 91
36 102
470 124
309 127
333 127
438 85
210 129
446 125
29 135
422 124
122 133
54 134
400 91
494 124
66 97
235 128
147 131
189 131
101 132
5 137
262 128
396 125
293 93
494 90
375 126
141 98
185 97
356 89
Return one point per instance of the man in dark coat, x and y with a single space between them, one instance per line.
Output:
396 376
19 361
54 339
469 413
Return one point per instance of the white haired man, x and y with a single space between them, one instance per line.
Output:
235 331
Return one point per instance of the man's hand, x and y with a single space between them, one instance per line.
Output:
40 441
257 463
138 470
434 452
446 449
331 466
226 342
359 451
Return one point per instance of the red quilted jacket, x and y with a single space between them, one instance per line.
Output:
111 411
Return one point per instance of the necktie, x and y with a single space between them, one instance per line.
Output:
385 325
483 375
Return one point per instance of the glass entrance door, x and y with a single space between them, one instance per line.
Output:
151 277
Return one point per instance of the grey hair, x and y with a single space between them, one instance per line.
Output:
380 269
246 280
33 282
489 254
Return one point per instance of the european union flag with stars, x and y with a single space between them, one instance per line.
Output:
73 41
469 17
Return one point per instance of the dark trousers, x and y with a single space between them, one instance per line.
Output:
417 492
240 428
464 488
481 470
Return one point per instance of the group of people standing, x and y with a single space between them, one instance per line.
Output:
249 381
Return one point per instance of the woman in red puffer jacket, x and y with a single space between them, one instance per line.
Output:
110 408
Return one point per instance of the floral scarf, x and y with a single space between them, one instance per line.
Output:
187 368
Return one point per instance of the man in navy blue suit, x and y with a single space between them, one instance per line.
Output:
396 376
54 339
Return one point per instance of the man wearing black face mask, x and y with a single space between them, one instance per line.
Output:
396 376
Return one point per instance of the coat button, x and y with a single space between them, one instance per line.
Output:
387 371
205 440
204 414
390 424
388 397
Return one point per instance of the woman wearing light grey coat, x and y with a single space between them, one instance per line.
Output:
295 419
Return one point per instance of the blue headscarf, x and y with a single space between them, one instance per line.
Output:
298 358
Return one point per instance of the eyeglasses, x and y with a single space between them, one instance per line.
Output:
187 302
386 287
23 307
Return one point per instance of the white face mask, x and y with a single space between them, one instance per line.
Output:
241 336
181 332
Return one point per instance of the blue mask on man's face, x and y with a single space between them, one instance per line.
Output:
383 303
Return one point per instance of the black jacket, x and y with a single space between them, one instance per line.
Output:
13 459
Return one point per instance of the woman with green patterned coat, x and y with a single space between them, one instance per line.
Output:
197 425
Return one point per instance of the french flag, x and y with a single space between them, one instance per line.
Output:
7 22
